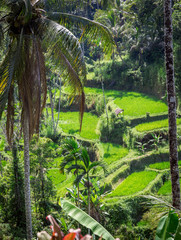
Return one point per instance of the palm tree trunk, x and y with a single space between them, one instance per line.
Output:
171 98
27 178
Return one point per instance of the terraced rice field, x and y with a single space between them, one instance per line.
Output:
113 152
134 183
166 188
162 165
154 125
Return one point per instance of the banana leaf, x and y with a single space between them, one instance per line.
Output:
85 220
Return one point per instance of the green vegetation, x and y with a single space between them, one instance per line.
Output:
134 183
113 152
166 189
137 104
69 122
162 165
154 125
132 145
56 177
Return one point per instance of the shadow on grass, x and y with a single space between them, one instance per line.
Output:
73 131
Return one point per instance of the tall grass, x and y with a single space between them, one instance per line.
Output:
134 183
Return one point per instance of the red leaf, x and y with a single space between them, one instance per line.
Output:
70 236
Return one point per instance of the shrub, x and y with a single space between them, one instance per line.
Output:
112 129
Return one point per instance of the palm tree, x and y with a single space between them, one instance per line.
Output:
70 152
86 167
171 98
30 32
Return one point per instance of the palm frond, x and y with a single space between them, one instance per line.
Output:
66 49
92 30
76 166
32 87
7 71
10 115
69 144
96 164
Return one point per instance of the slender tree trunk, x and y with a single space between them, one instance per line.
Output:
60 86
88 198
17 189
171 98
105 105
27 178
52 109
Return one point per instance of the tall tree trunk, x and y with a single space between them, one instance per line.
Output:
171 98
52 109
17 190
27 177
88 188
60 86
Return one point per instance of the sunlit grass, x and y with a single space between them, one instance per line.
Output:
134 104
134 183
69 122
162 165
113 152
154 125
137 104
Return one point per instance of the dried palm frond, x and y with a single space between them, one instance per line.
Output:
10 115
32 87
7 71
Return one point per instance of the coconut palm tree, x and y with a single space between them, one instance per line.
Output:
171 98
30 32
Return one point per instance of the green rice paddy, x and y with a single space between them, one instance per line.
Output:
113 152
154 125
137 104
162 165
166 189
134 104
134 183
69 122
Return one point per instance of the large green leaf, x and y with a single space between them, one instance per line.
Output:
84 219
167 227
178 232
